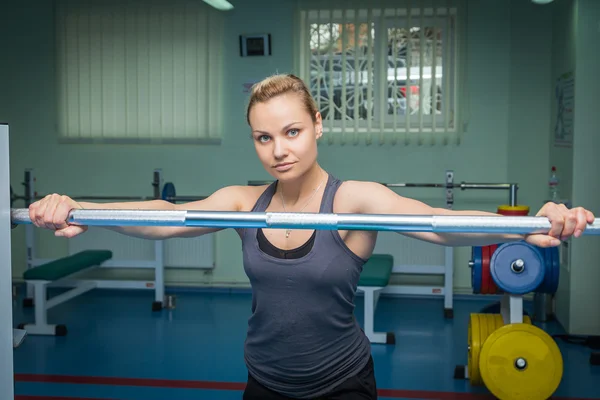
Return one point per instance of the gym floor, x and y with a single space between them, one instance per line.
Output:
117 348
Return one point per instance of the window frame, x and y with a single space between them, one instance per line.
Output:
444 19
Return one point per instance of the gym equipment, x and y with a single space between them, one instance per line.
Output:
513 210
520 361
7 335
331 221
485 269
494 308
492 287
550 269
167 193
155 263
18 337
552 265
45 275
374 277
481 326
476 265
517 268
449 185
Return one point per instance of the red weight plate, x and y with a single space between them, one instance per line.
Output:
485 270
492 288
514 213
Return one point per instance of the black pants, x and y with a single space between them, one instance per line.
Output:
362 386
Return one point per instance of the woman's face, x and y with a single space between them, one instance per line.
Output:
285 136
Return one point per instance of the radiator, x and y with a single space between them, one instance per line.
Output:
409 252
133 252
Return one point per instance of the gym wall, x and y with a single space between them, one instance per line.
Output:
510 79
584 266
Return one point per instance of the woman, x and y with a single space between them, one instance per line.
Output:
303 340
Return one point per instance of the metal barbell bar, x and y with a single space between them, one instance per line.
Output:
511 187
119 198
167 193
372 222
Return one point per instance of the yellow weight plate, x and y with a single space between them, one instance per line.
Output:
506 207
491 323
474 349
483 334
480 327
520 361
499 321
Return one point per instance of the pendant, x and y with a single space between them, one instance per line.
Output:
287 233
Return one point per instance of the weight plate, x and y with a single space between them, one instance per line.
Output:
476 271
168 192
552 266
492 287
546 285
543 288
473 346
525 281
520 361
480 327
555 268
505 209
485 270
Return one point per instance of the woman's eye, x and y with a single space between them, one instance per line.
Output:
293 132
263 138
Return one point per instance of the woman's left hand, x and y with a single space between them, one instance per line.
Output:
564 224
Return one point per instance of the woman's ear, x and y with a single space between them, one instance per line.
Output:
318 125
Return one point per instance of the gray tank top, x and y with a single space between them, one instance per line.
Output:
303 339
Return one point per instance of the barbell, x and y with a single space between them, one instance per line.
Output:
167 193
332 221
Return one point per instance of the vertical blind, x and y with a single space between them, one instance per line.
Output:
385 71
138 71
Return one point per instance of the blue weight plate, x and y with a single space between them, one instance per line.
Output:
555 268
517 283
476 270
168 191
545 252
543 287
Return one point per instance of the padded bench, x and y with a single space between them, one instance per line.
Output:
55 271
374 277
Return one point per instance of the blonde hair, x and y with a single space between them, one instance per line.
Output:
277 85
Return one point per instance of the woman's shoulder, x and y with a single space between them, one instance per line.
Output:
249 195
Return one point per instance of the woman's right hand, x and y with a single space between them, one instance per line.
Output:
52 213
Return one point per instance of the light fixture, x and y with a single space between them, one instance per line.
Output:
542 1
222 5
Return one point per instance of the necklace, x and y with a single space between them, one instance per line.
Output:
289 231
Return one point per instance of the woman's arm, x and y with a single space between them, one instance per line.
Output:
374 198
52 212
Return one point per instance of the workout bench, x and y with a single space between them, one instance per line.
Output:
44 276
374 277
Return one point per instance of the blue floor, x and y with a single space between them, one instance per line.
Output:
117 348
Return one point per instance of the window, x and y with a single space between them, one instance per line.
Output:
138 71
382 70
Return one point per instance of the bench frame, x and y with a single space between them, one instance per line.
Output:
371 297
42 304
